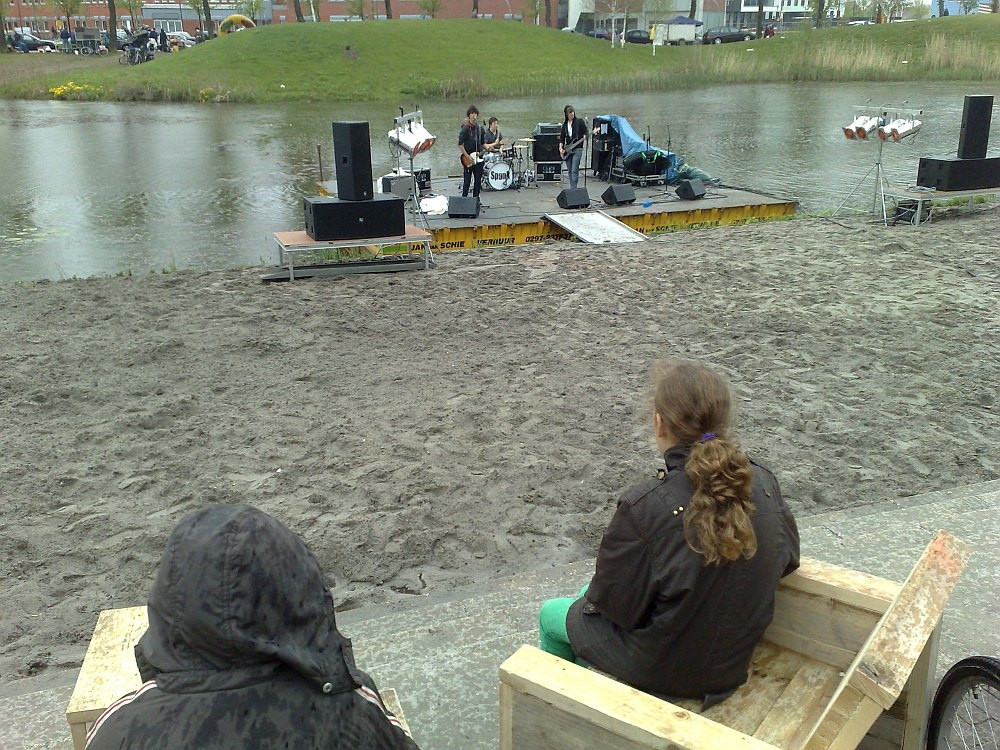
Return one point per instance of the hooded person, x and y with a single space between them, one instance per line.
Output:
243 650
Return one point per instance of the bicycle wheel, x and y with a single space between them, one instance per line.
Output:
123 59
966 708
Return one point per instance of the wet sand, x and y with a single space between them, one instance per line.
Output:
427 430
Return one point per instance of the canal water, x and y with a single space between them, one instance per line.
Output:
101 188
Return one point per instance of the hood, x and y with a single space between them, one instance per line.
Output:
239 597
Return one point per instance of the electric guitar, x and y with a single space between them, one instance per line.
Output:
469 160
567 150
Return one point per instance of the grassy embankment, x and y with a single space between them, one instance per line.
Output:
481 59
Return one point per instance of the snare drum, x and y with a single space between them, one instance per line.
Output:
498 176
490 157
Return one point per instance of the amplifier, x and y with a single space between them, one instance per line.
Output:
547 128
548 171
545 148
336 219
423 179
952 173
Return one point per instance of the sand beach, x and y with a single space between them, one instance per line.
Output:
429 430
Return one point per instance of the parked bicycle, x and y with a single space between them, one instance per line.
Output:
137 50
966 708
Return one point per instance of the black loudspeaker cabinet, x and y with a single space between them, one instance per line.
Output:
951 173
352 152
573 198
548 171
337 219
618 195
423 179
545 148
460 207
975 134
689 190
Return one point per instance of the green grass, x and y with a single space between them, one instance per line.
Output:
459 58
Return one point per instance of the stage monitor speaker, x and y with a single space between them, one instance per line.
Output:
975 134
463 207
573 198
689 190
545 148
352 151
337 219
618 195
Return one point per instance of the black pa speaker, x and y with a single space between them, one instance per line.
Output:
573 198
546 148
619 195
463 207
352 150
952 173
336 219
689 190
975 135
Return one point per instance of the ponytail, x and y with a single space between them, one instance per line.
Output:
695 405
717 521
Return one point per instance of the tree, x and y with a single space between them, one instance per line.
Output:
548 12
69 8
760 19
820 12
112 25
355 8
195 5
3 26
388 9
429 7
533 8
940 7
693 10
475 8
209 27
252 9
134 8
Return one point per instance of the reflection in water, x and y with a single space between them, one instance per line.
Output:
96 188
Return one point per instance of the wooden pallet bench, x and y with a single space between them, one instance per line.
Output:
844 649
109 671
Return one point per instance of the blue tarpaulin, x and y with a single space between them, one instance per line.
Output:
685 21
643 158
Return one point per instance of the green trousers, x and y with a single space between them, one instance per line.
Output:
552 635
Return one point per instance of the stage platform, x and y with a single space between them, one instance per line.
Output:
516 217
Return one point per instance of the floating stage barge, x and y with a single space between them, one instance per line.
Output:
517 216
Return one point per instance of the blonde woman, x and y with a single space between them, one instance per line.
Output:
687 569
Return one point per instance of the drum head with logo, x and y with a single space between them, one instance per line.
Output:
499 175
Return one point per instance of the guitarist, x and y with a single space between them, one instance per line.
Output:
572 136
470 146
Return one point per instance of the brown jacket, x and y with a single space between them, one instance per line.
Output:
659 618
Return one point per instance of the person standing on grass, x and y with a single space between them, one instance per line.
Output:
687 570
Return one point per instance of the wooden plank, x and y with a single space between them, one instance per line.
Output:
851 587
109 670
820 619
792 640
593 703
889 657
844 723
799 705
771 670
918 692
391 701
506 717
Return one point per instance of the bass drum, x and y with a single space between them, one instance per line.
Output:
498 176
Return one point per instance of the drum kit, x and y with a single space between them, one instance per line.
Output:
507 169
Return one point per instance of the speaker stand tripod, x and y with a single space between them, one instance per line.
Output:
881 183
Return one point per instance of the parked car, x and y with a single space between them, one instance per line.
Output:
638 36
599 33
31 42
727 34
183 38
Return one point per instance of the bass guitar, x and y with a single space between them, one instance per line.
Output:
567 150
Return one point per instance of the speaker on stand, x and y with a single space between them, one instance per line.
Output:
352 152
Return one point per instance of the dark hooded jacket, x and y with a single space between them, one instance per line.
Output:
656 615
243 650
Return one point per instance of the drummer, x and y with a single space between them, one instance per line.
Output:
493 138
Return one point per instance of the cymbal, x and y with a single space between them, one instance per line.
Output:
523 146
529 140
